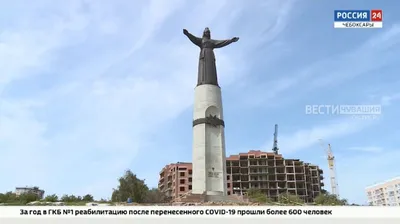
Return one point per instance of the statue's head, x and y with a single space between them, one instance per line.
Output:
207 33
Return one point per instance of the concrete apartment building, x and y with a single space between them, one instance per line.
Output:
176 179
29 190
268 172
386 193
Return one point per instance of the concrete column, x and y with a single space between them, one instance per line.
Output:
209 158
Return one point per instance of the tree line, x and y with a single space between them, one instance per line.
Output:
12 198
325 198
130 186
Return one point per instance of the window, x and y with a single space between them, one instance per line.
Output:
190 172
229 193
182 189
190 187
182 181
229 184
228 177
182 174
190 180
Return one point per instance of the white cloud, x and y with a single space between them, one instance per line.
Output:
360 60
22 141
388 100
29 48
366 149
152 17
281 22
332 70
308 137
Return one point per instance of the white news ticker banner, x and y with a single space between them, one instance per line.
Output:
365 25
199 211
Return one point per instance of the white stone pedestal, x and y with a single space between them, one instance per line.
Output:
209 158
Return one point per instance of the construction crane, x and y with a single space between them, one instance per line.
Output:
332 168
275 145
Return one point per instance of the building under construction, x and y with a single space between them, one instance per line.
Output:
273 175
269 172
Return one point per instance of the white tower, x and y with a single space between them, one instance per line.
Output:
209 159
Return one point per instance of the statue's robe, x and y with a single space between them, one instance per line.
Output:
207 73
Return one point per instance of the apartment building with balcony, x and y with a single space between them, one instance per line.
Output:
386 193
265 171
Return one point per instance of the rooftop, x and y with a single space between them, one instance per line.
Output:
383 182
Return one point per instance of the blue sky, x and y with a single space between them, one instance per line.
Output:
89 89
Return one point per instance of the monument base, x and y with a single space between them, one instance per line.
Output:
206 197
216 193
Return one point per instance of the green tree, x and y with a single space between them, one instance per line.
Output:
72 198
69 198
130 187
156 196
65 198
289 199
255 195
51 198
88 198
3 198
8 197
103 200
28 197
330 199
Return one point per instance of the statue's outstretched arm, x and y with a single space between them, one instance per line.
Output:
223 43
195 40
